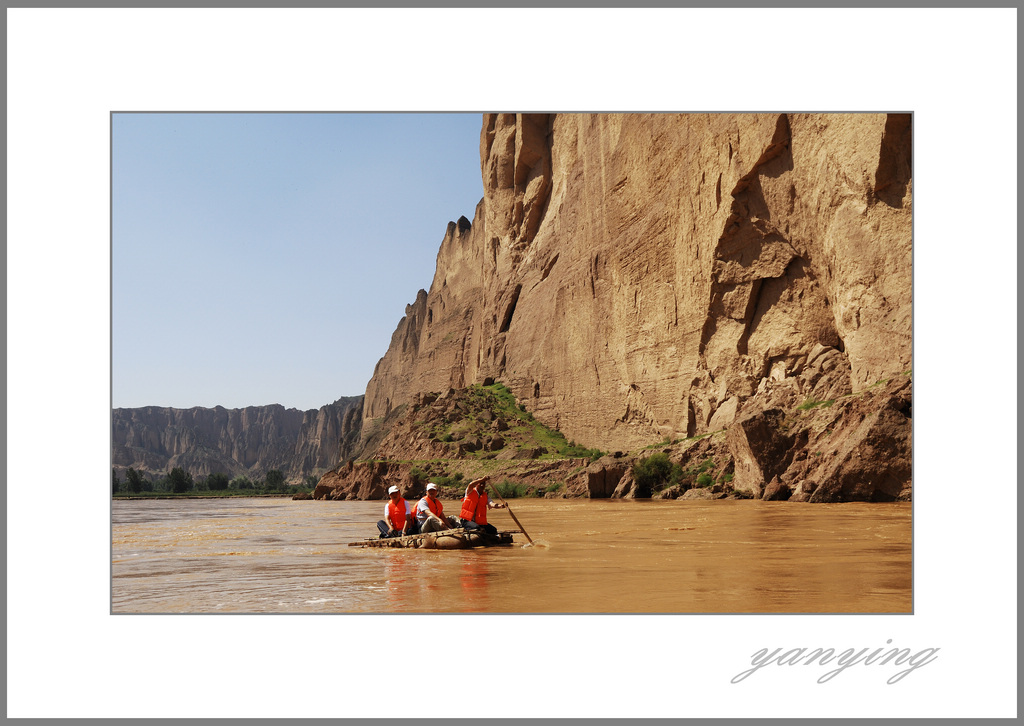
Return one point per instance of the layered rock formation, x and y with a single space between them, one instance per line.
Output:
248 441
637 277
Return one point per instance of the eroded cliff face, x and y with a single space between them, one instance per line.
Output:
637 277
248 441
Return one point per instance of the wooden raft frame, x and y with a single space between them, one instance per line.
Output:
451 539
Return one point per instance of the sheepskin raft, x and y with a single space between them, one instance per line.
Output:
448 539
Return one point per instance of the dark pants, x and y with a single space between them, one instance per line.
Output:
469 524
385 529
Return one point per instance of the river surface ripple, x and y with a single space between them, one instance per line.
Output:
590 556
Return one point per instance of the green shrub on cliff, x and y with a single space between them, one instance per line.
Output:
555 486
417 477
500 401
575 450
512 490
654 473
455 480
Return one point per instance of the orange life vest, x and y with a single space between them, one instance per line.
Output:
474 507
396 513
434 505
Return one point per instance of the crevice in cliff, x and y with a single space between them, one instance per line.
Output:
691 420
510 309
779 145
547 268
749 316
750 247
894 160
532 173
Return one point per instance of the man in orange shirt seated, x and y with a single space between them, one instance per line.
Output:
398 518
430 516
475 505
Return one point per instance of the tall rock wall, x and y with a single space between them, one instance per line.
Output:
633 277
248 441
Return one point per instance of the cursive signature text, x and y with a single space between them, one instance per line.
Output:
827 657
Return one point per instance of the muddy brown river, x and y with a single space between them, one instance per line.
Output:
589 556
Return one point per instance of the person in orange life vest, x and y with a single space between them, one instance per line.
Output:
475 505
398 517
430 516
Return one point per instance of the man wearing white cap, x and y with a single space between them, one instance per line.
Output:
430 514
398 518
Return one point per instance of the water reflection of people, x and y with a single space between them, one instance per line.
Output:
473 577
401 580
430 516
475 505
398 517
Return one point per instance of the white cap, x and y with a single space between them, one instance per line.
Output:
432 485
392 490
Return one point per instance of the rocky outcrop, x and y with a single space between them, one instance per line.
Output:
362 480
453 435
637 277
371 479
853 447
250 441
604 475
856 447
761 449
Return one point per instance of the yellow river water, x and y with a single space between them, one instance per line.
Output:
589 556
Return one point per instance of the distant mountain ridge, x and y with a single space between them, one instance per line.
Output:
250 441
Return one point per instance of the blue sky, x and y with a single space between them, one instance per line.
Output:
267 258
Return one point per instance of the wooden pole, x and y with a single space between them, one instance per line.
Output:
518 523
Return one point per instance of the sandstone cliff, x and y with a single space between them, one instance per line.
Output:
638 277
248 441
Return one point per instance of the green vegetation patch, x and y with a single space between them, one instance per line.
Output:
552 488
501 402
434 471
179 482
512 490
811 403
658 472
654 473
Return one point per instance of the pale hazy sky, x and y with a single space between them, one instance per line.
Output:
267 258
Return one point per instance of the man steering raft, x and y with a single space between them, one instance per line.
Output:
475 505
